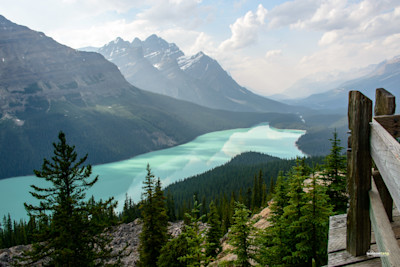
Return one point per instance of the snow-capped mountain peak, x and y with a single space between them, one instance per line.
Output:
161 67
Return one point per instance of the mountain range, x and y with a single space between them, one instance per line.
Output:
161 67
46 87
383 75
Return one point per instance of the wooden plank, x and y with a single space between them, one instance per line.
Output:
337 233
344 258
359 174
384 235
385 151
385 102
391 123
384 194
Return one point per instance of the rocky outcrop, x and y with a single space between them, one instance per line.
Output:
125 238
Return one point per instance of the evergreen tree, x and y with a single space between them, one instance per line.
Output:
239 236
68 235
155 221
196 252
293 212
171 206
314 223
130 210
335 176
214 232
270 241
173 252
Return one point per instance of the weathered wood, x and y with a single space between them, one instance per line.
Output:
391 123
385 103
344 258
338 256
359 174
384 235
385 152
384 194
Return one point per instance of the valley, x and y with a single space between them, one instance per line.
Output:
171 165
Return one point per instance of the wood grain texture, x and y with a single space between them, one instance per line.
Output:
391 123
384 235
359 174
385 152
385 102
384 193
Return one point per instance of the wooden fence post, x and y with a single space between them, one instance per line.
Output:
385 104
359 165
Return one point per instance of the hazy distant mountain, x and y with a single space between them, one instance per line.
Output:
383 75
46 87
321 82
158 66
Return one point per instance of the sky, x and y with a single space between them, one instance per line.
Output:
265 46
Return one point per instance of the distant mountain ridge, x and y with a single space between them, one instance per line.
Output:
46 87
383 75
161 67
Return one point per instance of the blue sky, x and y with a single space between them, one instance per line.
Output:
265 45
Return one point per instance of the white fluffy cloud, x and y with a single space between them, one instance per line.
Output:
352 33
245 29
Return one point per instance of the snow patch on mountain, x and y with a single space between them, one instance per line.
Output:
242 102
185 62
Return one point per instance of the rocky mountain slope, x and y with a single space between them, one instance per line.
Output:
158 66
124 236
46 87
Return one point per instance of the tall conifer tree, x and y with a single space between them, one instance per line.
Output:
335 169
214 232
70 235
155 221
314 223
196 249
239 236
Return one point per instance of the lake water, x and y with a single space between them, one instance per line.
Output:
172 164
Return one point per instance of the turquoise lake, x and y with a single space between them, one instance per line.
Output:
125 177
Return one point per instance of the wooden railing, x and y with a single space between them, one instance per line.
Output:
373 191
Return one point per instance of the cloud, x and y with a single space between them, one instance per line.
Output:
328 38
245 29
273 53
290 13
172 12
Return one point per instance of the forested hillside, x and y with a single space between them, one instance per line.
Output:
246 177
225 198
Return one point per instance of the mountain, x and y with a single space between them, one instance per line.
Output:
383 75
320 82
161 67
46 87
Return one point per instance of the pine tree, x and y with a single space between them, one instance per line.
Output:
196 255
335 176
271 240
293 211
155 221
314 223
173 252
214 232
239 236
130 210
171 206
68 235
